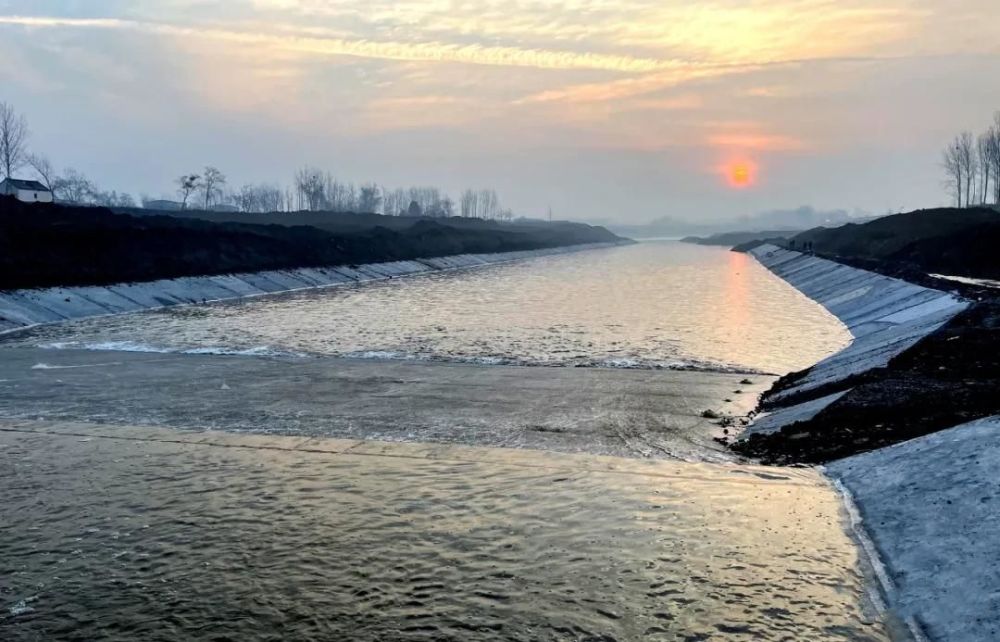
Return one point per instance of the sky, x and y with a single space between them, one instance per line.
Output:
624 111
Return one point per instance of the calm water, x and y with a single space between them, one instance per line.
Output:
143 538
657 304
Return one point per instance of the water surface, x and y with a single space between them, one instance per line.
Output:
158 535
657 304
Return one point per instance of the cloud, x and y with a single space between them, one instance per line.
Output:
475 54
756 142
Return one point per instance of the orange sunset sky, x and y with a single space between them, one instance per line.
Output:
623 110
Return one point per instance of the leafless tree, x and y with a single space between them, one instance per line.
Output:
255 199
447 207
212 182
187 185
985 164
994 156
391 201
112 199
952 164
369 198
310 185
44 169
967 156
467 203
959 164
13 139
74 187
489 204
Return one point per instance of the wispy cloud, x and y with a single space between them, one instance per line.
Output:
476 54
581 83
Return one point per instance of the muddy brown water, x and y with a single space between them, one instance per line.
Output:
162 535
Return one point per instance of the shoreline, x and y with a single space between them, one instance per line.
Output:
24 309
923 506
886 316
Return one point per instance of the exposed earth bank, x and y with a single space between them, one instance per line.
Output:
57 245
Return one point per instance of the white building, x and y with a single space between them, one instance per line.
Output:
25 191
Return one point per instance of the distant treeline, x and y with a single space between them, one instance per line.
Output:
53 245
312 189
972 167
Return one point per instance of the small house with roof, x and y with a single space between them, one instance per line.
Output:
25 191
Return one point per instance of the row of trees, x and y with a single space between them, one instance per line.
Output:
312 189
972 166
69 185
316 190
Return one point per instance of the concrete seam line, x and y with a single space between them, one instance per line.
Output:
887 588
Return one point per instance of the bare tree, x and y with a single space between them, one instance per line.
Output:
112 199
967 157
256 199
468 203
369 198
994 156
447 207
187 185
13 139
310 185
44 169
952 164
985 164
74 187
212 182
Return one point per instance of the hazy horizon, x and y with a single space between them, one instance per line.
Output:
625 111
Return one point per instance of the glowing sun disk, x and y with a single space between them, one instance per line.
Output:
740 174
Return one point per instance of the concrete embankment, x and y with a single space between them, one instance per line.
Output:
886 316
931 507
927 510
22 308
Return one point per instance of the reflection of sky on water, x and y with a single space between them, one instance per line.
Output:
658 304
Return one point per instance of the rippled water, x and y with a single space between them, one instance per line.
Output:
114 532
657 304
143 537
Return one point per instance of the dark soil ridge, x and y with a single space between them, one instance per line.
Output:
44 245
950 377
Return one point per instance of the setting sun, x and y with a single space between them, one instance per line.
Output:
740 174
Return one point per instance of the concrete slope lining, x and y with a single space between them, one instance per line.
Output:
24 308
886 317
932 508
